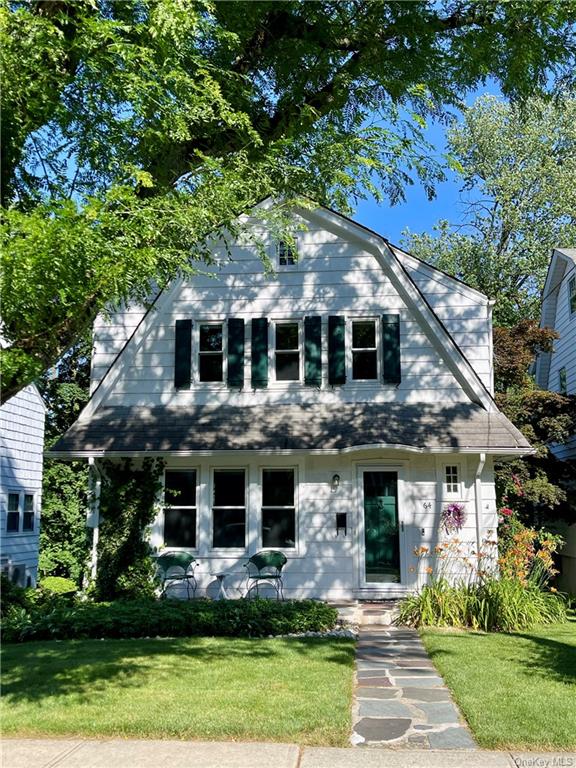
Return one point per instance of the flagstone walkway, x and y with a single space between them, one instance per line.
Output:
400 700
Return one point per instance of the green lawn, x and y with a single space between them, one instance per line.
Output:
281 689
517 691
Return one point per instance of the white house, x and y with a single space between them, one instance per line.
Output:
556 371
330 410
21 456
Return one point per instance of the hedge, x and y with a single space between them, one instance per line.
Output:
167 618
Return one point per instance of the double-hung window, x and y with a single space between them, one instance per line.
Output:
364 350
211 352
229 508
278 508
562 381
180 509
572 295
287 351
20 513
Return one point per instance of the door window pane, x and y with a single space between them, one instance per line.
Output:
28 518
381 529
229 508
278 510
364 352
287 352
210 356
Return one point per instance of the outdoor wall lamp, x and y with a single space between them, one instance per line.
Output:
335 482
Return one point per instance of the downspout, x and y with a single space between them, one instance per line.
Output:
478 499
93 517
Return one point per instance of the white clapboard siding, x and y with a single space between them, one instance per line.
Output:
21 453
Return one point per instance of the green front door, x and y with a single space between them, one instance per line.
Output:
381 527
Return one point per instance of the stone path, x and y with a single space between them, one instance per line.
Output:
400 700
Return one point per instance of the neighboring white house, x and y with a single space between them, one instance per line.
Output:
556 371
21 456
330 410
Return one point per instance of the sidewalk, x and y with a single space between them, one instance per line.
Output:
119 753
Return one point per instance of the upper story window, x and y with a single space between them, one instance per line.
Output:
572 295
180 510
20 513
287 254
451 480
287 351
562 381
211 352
364 350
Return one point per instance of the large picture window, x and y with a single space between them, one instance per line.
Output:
211 352
287 351
364 350
229 508
180 509
278 509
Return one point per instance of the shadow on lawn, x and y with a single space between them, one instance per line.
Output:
82 668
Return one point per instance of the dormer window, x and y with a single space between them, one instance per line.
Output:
287 256
572 295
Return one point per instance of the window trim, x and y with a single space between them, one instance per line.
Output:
261 507
272 322
229 551
161 522
349 358
223 383
21 494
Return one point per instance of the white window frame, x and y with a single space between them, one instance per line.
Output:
173 548
21 494
295 255
196 350
572 295
229 551
450 493
294 469
349 358
272 351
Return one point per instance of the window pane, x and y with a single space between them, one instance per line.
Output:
278 528
28 521
287 366
13 522
210 367
364 365
286 254
180 488
180 527
287 336
229 488
278 488
13 499
28 502
572 294
229 528
364 334
210 338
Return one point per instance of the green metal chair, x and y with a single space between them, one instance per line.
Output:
176 568
266 567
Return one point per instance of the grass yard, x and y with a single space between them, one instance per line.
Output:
281 689
517 691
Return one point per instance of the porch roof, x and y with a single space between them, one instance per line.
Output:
130 430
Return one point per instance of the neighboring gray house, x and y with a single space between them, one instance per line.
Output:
330 410
556 371
21 455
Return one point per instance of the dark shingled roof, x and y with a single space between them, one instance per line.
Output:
462 426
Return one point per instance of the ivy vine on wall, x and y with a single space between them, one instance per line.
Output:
127 509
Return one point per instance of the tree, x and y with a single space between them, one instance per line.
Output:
131 130
517 164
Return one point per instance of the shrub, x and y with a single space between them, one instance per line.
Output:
168 618
58 585
12 595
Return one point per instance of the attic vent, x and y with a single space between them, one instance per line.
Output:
287 255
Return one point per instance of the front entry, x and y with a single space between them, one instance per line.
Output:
381 527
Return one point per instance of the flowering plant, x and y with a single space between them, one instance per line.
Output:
453 517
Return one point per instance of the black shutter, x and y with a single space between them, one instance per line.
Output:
182 354
336 350
313 351
391 349
259 353
235 352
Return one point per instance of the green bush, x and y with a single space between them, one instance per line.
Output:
167 618
504 605
12 595
58 585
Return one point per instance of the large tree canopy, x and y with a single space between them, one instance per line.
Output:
132 129
517 164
